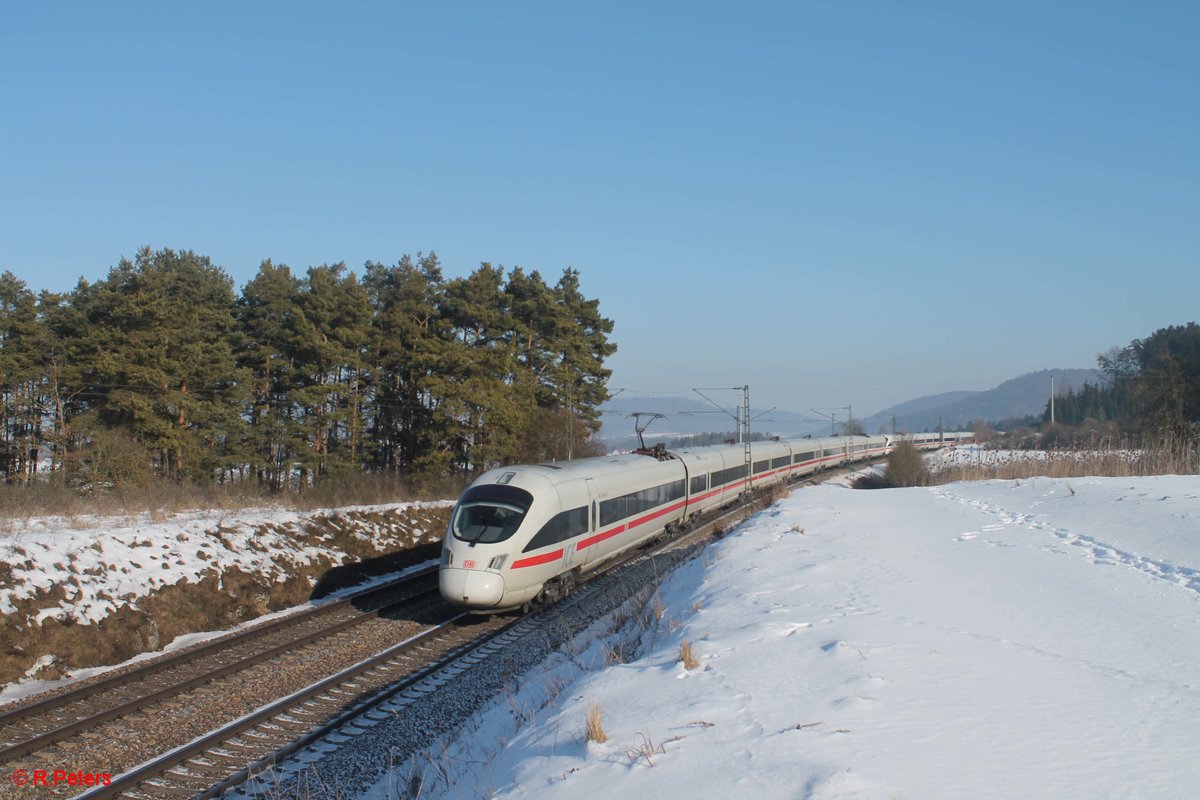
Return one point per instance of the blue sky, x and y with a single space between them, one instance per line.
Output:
831 202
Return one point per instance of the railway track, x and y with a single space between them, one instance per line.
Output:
345 705
60 717
227 757
337 707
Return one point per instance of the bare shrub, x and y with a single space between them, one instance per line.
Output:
906 466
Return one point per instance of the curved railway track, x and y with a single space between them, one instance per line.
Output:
227 757
344 705
339 705
57 718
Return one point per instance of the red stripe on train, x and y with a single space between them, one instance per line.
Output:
600 537
534 561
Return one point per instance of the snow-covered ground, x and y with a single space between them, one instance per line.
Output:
1001 639
106 563
81 570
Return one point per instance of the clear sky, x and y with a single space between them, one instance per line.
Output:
834 202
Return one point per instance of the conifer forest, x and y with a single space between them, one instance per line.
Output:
162 371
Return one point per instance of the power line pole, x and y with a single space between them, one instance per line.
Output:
1051 399
742 418
744 435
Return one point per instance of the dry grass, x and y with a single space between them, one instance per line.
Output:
163 498
644 750
595 726
688 656
658 608
615 654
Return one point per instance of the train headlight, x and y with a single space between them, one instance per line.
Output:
447 557
497 562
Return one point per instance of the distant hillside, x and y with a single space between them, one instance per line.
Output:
931 401
1019 397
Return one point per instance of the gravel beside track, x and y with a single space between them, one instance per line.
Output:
120 744
401 729
404 735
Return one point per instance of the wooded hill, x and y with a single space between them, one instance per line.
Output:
1151 384
161 370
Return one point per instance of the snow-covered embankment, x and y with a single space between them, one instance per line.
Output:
1001 639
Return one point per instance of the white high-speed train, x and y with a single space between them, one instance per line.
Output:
524 534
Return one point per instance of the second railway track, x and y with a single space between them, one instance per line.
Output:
379 691
210 754
69 723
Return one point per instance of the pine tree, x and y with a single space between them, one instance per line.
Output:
582 351
483 410
24 339
157 346
268 312
408 338
1169 377
334 329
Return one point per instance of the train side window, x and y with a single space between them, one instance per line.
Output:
802 457
563 526
762 466
612 511
782 461
699 484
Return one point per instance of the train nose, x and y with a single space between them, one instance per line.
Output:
471 587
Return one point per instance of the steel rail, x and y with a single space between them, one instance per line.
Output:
226 643
363 705
138 775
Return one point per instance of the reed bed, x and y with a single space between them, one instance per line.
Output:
1101 456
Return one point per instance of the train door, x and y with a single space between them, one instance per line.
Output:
572 558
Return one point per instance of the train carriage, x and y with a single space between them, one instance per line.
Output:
518 528
524 534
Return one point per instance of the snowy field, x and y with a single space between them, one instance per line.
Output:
1002 639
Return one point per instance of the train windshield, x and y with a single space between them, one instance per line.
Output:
490 513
